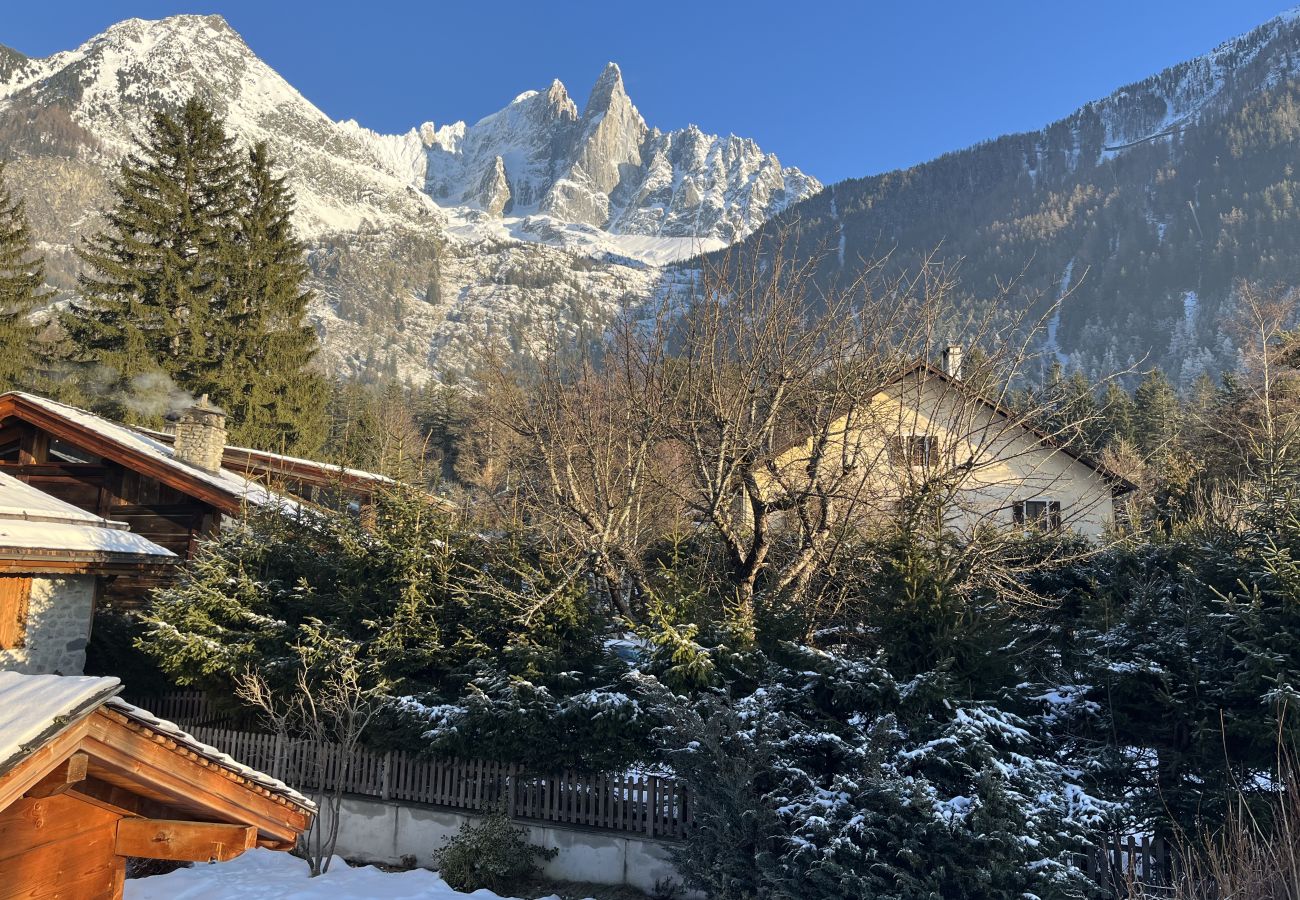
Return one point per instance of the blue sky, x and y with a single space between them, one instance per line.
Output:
838 89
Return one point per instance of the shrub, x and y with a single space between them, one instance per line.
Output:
495 854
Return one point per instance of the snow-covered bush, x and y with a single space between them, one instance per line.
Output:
833 780
513 719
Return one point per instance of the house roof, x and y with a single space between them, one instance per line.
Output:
48 716
226 490
248 461
35 525
1120 484
35 707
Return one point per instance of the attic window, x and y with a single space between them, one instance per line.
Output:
15 595
65 452
1044 515
914 450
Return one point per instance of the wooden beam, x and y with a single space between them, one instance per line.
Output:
183 841
87 563
117 800
157 762
64 776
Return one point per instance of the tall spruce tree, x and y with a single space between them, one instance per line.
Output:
152 299
22 276
199 276
274 400
1116 416
1156 414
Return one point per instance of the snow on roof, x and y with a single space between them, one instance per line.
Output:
357 474
40 535
180 736
31 519
33 708
235 485
19 500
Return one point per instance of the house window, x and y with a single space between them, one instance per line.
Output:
1045 515
914 450
15 594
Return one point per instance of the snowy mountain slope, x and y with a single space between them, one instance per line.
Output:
535 217
1170 188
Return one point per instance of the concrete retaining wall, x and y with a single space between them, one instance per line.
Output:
379 831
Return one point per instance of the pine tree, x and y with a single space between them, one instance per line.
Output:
1156 415
1116 417
22 274
152 297
262 372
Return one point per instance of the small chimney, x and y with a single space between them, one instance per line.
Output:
952 361
201 436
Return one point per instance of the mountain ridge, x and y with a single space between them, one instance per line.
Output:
1144 207
408 285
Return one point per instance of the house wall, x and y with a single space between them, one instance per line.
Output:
59 847
59 617
381 831
993 460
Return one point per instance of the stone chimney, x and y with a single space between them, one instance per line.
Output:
952 361
201 436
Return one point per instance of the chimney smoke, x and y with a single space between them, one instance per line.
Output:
201 436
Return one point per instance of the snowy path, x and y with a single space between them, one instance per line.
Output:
266 875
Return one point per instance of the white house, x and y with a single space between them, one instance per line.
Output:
927 430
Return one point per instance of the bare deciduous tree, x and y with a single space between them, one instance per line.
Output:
327 712
771 416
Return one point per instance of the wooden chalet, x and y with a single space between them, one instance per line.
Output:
88 781
172 489
55 563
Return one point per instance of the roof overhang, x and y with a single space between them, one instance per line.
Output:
137 771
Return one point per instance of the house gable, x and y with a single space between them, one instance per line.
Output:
86 781
924 423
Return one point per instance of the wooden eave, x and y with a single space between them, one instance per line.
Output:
135 771
82 562
74 433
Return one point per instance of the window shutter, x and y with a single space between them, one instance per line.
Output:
1054 514
1018 512
15 595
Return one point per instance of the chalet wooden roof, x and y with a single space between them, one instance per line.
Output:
130 762
40 533
262 463
224 490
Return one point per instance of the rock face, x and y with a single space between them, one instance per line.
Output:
606 168
422 246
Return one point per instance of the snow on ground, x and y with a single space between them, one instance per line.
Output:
268 875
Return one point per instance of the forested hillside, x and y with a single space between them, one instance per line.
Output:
1146 206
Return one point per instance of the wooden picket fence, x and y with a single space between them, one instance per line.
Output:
653 805
1126 863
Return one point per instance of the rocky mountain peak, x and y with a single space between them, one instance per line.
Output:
607 93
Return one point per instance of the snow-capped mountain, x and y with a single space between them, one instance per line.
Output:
606 168
536 216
